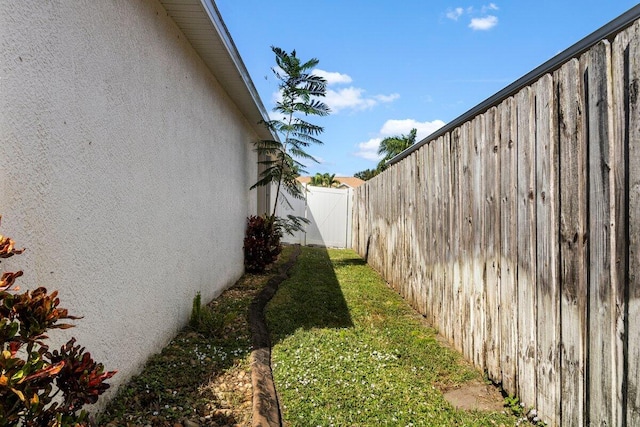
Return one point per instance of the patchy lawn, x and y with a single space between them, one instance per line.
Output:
349 351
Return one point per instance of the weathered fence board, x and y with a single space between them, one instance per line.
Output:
621 49
491 246
573 276
466 249
632 131
421 225
526 215
548 395
438 279
600 376
478 310
448 309
457 229
508 246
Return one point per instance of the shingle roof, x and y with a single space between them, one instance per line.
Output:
350 181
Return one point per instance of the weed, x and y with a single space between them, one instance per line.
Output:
207 321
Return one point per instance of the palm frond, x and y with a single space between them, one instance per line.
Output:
303 155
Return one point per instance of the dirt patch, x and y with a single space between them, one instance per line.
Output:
476 395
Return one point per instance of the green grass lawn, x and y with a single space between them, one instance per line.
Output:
349 351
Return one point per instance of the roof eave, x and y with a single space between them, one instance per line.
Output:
202 25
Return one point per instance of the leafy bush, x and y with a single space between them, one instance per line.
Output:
261 243
39 387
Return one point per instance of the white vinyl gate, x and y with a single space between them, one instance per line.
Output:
329 213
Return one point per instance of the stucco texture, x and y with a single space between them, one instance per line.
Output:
125 170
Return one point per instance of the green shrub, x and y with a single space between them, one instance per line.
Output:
261 243
30 375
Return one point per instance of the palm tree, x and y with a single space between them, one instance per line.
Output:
330 180
324 180
394 145
366 174
317 180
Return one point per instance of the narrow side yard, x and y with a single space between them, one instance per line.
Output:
348 351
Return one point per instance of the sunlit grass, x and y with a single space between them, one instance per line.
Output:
348 351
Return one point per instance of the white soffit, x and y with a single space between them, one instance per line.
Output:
202 24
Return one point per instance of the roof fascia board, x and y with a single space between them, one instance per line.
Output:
234 55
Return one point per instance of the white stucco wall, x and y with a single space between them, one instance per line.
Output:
124 170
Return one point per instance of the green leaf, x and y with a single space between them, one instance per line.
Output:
17 376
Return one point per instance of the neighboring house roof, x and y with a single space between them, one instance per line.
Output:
345 181
201 23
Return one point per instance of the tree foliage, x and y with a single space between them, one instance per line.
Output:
394 145
283 156
367 174
389 148
324 180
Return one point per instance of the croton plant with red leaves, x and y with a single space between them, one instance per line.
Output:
39 387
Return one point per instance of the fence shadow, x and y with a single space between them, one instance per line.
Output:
310 298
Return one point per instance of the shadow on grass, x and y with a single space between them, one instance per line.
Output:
310 298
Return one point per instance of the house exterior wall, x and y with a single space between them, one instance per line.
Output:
125 170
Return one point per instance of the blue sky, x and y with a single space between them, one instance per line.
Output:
395 65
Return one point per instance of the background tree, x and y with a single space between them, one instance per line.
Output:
366 174
389 147
394 145
316 180
324 180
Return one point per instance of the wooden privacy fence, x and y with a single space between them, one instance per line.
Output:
517 234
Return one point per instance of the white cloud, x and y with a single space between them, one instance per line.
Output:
403 127
479 18
483 24
354 98
369 149
345 98
333 77
455 13
490 6
387 98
